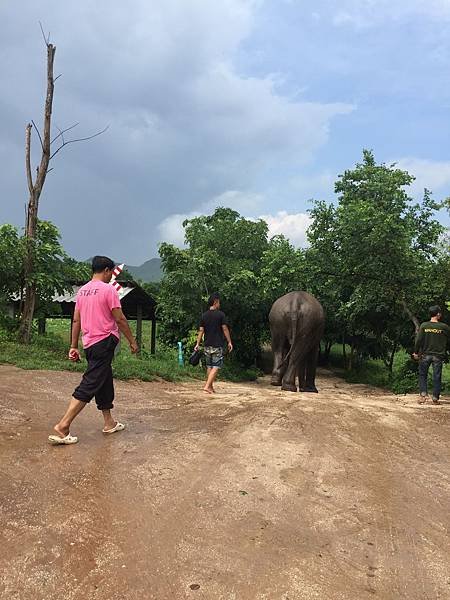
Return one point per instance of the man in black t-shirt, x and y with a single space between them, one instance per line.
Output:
215 330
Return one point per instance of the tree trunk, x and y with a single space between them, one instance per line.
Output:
391 358
35 190
344 352
326 353
413 317
350 359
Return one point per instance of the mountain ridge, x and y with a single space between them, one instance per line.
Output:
150 270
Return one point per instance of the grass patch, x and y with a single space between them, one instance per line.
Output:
50 351
402 380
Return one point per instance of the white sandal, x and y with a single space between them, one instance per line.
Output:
57 441
118 427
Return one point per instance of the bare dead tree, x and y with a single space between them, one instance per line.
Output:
35 189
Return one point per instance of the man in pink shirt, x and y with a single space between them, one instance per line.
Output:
99 317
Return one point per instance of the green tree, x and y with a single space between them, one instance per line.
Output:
151 287
11 255
223 254
322 268
380 251
53 270
282 269
232 255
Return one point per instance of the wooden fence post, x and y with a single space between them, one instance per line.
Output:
139 326
41 325
153 341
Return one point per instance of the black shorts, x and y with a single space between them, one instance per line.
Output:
98 378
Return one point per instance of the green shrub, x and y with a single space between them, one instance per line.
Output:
405 378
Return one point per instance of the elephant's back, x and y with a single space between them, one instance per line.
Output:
300 303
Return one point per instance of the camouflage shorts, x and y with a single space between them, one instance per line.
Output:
214 357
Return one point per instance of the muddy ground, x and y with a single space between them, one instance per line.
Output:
251 494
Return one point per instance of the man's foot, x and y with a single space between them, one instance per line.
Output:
208 390
436 400
115 427
61 431
422 399
62 436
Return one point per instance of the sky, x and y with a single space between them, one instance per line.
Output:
252 104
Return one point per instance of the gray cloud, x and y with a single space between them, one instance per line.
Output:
185 126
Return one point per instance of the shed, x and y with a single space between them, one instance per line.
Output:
137 305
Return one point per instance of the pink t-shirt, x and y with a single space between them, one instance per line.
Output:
95 301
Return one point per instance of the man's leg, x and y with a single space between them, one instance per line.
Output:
212 376
437 379
208 372
208 361
214 359
104 399
81 397
424 365
63 427
104 395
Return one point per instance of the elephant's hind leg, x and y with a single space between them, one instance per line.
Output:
301 374
311 365
292 370
279 364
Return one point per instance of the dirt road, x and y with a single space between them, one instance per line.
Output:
252 494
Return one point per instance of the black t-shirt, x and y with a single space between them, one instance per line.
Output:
433 337
212 321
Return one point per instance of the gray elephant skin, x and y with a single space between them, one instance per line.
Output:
296 324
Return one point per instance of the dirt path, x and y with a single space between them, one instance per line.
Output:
253 494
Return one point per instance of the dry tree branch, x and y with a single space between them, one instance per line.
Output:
78 140
62 132
39 134
27 157
46 39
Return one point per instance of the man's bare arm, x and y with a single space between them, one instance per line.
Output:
201 331
74 353
122 323
226 333
76 328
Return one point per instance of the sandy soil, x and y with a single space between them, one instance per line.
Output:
251 494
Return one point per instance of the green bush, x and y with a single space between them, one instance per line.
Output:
404 379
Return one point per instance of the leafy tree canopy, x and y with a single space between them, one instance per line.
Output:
53 268
233 256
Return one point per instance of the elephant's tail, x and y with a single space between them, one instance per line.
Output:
285 360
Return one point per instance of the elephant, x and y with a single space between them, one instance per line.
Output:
297 323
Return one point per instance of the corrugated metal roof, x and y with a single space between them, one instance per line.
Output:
71 296
133 298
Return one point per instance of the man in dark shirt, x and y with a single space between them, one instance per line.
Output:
214 329
432 341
